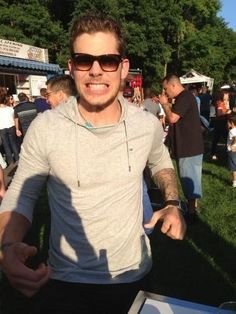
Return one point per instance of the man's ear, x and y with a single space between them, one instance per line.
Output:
125 68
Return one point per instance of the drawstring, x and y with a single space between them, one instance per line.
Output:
76 153
77 146
127 147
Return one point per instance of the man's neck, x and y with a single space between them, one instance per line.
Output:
101 116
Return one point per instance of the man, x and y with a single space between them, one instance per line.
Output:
93 153
150 102
24 114
41 102
59 89
185 137
205 102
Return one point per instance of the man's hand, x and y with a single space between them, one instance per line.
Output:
173 222
21 277
18 133
163 99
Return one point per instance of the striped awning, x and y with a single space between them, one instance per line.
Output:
29 64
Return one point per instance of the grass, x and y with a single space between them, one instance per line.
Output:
201 268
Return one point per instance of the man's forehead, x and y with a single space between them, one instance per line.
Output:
96 43
168 83
164 84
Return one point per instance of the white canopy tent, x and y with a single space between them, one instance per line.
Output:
193 76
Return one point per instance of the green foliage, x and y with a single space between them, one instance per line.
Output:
210 50
162 35
29 22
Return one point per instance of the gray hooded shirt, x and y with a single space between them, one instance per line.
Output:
94 181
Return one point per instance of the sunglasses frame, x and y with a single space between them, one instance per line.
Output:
100 59
49 93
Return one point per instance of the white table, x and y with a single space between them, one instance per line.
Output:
150 303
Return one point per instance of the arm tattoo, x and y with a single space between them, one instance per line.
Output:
166 181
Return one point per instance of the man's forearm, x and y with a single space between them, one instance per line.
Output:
167 109
166 181
13 227
16 120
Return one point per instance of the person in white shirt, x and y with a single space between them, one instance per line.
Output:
231 147
7 129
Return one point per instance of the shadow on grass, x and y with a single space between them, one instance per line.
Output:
201 269
214 175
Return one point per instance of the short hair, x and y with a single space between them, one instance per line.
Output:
171 77
23 97
43 91
64 83
94 22
149 92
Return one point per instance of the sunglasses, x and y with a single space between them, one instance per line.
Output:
49 93
108 62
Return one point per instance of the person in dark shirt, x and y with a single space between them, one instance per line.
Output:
185 137
41 102
205 103
24 114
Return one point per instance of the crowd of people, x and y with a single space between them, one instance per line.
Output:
214 111
92 151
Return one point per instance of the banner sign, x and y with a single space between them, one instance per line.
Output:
14 49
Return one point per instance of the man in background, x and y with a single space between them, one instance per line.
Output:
185 138
151 103
24 113
41 102
59 89
205 102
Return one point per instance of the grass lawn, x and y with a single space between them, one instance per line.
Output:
201 268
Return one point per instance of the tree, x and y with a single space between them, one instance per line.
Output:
29 22
162 35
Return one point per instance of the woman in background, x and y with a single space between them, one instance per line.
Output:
10 102
7 129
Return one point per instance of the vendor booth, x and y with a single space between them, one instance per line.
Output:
24 68
194 77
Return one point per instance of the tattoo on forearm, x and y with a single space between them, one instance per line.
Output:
167 183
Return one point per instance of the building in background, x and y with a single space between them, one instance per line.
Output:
25 68
134 81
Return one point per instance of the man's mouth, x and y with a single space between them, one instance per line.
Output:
96 86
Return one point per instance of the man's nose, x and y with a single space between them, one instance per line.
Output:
96 69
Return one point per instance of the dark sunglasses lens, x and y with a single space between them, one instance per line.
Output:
83 62
109 63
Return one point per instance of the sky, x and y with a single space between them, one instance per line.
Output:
228 12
